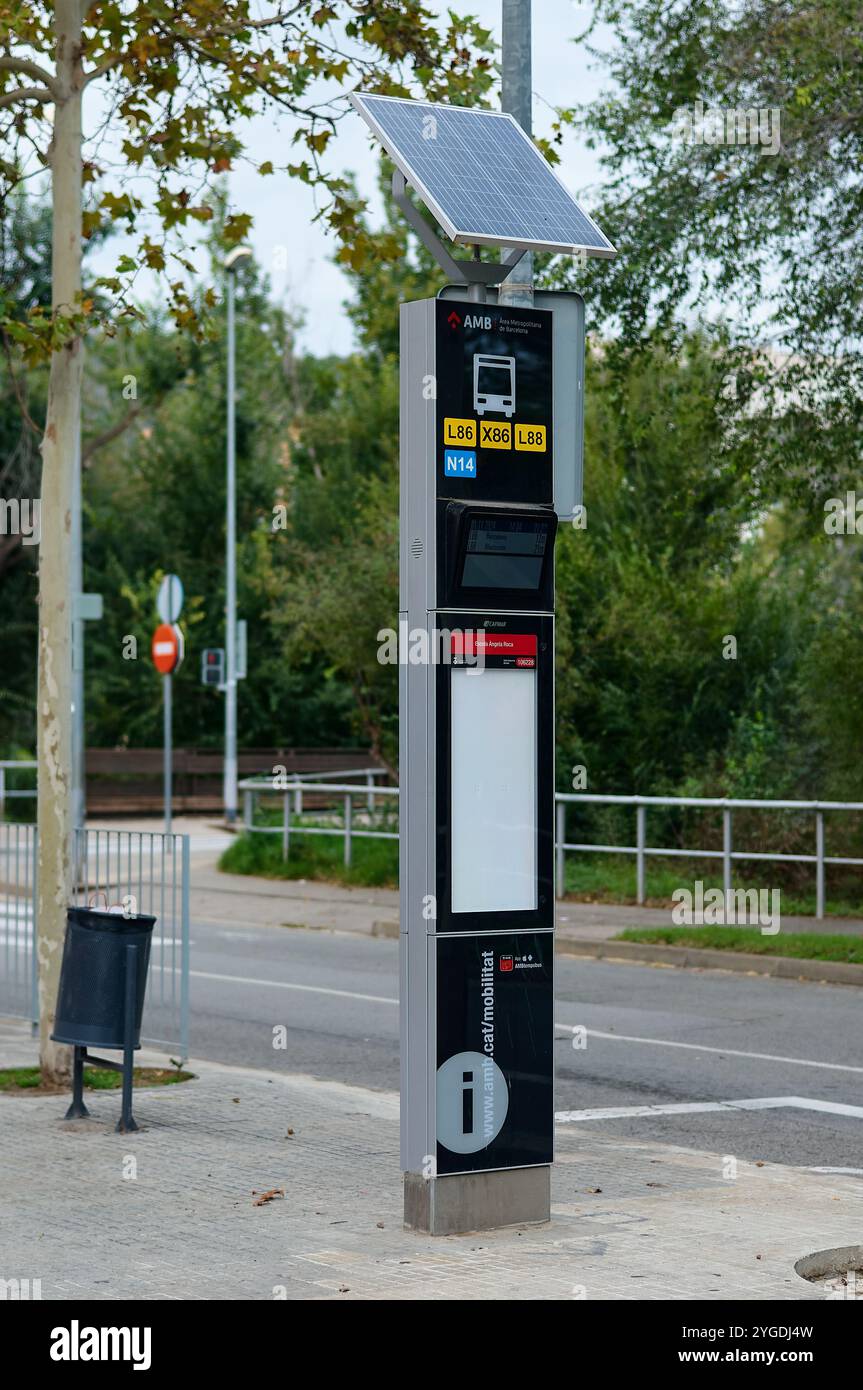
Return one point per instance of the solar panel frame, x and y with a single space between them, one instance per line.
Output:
365 104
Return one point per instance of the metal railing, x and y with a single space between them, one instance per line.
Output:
641 850
143 872
11 793
18 859
727 854
147 872
348 830
252 787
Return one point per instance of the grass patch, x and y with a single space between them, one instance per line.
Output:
375 862
14 1079
800 945
601 878
609 878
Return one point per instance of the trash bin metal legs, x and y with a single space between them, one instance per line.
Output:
127 1120
78 1110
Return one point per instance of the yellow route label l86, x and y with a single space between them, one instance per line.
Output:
459 432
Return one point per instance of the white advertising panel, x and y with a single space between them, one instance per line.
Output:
494 790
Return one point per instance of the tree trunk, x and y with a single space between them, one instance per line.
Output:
59 461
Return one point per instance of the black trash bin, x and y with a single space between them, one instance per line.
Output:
91 1003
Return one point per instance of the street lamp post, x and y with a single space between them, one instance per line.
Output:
517 99
229 782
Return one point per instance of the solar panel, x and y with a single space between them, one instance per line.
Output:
481 175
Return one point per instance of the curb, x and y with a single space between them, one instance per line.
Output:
781 967
831 972
388 929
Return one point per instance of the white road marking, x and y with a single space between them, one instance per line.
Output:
719 1051
286 984
23 941
850 1172
564 1027
635 1112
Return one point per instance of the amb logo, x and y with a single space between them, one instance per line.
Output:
477 320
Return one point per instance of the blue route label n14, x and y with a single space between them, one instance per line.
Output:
459 463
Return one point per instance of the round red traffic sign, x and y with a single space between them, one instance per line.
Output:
166 648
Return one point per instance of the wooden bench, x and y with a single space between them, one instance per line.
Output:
128 781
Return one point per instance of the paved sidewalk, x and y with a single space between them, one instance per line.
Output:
631 1220
246 900
206 833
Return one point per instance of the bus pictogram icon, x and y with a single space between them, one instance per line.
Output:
493 384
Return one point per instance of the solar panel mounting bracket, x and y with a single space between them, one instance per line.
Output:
465 272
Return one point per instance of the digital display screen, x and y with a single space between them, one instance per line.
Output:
493 798
505 553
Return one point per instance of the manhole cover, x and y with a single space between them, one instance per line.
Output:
839 1272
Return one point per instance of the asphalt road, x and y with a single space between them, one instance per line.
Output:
656 1037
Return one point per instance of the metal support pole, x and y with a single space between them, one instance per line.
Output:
2 792
77 1110
517 99
126 1123
640 841
78 799
819 864
34 902
726 853
184 953
561 838
370 799
348 827
229 791
248 814
167 752
286 826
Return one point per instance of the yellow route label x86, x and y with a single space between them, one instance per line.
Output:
494 434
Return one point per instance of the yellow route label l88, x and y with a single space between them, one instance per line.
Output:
530 438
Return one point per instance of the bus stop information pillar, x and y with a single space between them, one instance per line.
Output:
477 531
482 418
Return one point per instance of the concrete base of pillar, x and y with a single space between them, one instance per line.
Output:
463 1202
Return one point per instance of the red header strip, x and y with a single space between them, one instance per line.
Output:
486 644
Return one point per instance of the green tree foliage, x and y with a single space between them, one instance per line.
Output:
706 468
343 526
155 501
175 80
721 218
671 564
25 254
764 236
